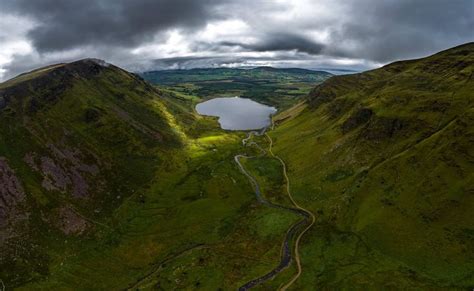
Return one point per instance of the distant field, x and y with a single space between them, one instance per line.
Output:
278 87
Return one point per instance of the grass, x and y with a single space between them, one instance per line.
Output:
392 202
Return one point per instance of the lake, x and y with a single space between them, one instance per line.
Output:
237 113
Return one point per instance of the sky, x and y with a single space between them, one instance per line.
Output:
141 35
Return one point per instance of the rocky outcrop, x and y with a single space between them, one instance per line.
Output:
321 94
358 118
11 193
383 127
70 223
64 170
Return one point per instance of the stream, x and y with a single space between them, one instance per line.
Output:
286 252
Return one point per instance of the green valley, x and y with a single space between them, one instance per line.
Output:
111 180
115 184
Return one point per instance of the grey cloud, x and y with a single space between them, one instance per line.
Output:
367 31
388 30
69 24
280 60
281 42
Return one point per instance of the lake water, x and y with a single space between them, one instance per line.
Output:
237 113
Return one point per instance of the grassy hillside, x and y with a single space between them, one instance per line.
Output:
76 140
385 159
274 86
108 183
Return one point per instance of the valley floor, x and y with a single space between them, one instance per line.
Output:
198 225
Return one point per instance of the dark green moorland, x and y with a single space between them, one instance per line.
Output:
385 159
108 182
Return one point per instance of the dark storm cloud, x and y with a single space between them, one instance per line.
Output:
186 62
68 24
357 33
281 42
280 60
384 31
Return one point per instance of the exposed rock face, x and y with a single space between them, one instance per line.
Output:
383 127
11 192
358 118
71 223
75 156
64 170
321 94
55 178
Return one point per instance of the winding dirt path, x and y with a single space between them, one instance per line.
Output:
308 217
296 230
309 213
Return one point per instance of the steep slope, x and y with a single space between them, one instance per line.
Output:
76 140
386 160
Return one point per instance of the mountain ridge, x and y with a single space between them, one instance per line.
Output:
77 139
385 157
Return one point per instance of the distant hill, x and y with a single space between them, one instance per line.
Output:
280 87
385 159
170 77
